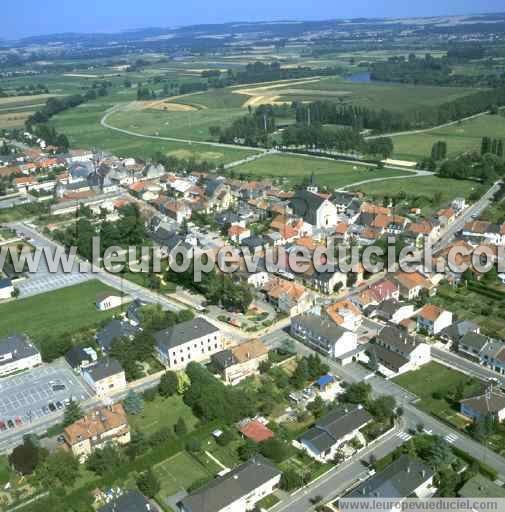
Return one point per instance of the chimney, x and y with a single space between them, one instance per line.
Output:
408 469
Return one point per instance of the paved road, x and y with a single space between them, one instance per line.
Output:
414 174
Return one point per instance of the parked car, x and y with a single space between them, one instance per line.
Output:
45 409
52 407
59 405
59 387
10 423
18 421
3 426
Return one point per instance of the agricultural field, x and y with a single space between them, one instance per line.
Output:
460 137
54 313
437 386
427 192
293 169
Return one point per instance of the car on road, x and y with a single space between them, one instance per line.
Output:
45 409
18 421
3 426
10 423
59 405
51 406
59 387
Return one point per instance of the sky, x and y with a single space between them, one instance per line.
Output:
22 18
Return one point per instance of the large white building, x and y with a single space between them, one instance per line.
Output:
237 491
194 340
17 353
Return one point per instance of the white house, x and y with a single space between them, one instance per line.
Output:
393 311
323 335
237 491
331 432
105 376
6 289
194 340
315 209
432 319
17 353
395 352
105 301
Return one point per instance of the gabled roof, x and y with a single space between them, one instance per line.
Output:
256 431
398 480
474 340
336 425
489 403
430 312
130 501
458 329
184 332
104 368
225 490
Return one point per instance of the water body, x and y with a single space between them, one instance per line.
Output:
361 77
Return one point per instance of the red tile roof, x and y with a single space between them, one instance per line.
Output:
256 431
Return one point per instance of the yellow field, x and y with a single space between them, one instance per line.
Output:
187 154
14 120
24 99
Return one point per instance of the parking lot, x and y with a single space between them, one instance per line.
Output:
36 394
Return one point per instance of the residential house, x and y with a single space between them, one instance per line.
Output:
256 431
376 293
108 300
405 477
458 204
315 209
418 233
287 296
237 233
480 232
491 403
323 335
241 361
193 340
345 314
114 330
17 353
130 501
397 352
97 429
80 357
393 311
331 432
219 195
472 344
432 319
446 217
238 490
105 376
455 332
326 282
6 288
342 200
412 284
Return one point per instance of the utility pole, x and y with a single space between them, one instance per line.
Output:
308 115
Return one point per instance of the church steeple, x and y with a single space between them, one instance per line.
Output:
312 186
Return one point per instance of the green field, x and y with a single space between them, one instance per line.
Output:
426 192
180 472
162 412
54 313
292 169
395 97
461 137
436 386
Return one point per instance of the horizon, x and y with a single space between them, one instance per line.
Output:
54 17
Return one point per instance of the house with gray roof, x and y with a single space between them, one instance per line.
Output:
333 431
193 340
130 501
323 335
403 478
315 209
17 353
472 344
491 403
455 332
239 490
105 376
115 330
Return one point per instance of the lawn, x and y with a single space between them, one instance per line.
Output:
461 137
427 192
5 470
54 313
162 412
292 169
436 386
178 473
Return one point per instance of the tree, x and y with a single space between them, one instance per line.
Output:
60 467
73 413
275 449
317 407
247 450
193 445
383 408
180 427
291 479
300 375
168 384
148 484
133 403
358 393
225 438
105 460
440 453
25 458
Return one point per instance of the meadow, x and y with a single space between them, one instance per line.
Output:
293 169
460 137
